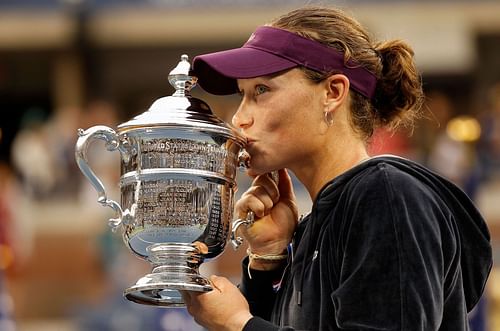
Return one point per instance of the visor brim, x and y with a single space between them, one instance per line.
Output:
217 72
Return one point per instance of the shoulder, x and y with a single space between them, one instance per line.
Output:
383 187
386 174
386 187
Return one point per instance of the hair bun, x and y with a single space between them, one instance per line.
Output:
399 95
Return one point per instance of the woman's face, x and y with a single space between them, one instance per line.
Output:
280 116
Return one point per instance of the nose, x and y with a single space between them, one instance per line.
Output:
243 117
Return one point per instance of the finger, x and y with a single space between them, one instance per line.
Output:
217 282
285 186
220 283
261 194
267 183
249 201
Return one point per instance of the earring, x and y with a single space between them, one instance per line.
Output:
328 118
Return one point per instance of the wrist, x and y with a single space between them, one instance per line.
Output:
280 248
238 321
266 261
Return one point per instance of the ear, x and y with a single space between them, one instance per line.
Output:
337 90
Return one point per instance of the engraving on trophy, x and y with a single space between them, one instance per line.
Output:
183 153
173 204
214 228
218 227
178 211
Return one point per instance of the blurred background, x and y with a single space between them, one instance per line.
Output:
69 64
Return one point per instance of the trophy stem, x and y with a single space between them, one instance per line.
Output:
176 268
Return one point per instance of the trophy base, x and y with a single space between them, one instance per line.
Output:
162 289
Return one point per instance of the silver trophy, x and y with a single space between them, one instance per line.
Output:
177 184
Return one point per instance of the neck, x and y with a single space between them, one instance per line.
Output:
329 164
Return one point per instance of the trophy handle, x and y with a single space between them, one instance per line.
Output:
236 240
85 138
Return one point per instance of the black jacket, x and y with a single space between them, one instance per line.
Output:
388 245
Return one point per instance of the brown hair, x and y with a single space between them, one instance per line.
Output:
398 96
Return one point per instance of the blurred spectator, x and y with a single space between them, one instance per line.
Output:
6 250
15 234
6 246
451 158
30 148
488 147
43 153
99 112
396 143
50 145
62 134
6 308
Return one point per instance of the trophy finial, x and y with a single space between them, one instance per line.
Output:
180 79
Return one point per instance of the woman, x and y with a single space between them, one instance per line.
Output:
388 245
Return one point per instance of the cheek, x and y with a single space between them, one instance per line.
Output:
276 117
273 123
289 130
291 116
300 113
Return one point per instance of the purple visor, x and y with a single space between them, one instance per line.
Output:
270 50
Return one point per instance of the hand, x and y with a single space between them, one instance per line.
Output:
276 213
222 309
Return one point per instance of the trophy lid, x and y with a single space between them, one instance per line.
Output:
181 110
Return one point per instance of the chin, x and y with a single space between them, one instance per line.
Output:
259 166
254 171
